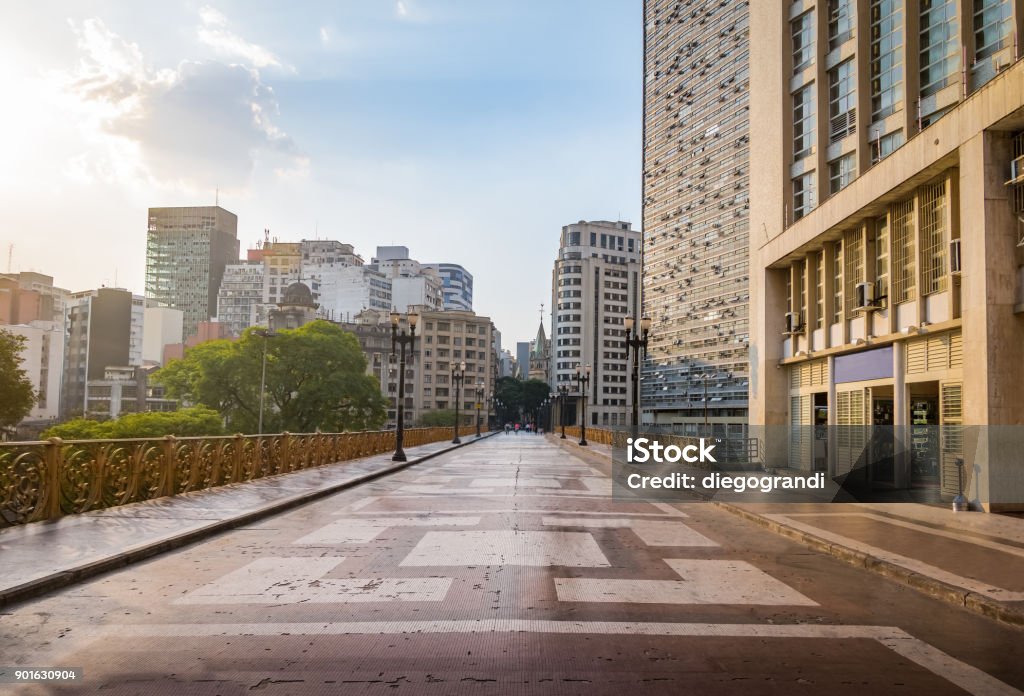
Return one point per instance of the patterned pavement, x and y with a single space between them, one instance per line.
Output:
504 568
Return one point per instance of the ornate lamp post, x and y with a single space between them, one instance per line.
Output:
563 394
458 374
479 399
582 380
264 334
403 340
637 342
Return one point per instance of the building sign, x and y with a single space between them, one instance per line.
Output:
858 367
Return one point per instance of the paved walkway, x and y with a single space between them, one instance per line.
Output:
971 559
504 568
42 556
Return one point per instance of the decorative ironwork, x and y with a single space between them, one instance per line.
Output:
47 480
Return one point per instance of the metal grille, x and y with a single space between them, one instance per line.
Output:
952 439
903 266
837 272
932 201
851 436
853 245
799 438
882 257
819 290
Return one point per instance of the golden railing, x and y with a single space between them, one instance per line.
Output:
48 479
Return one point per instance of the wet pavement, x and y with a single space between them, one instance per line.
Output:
504 568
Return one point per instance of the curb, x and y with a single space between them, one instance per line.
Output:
937 589
64 578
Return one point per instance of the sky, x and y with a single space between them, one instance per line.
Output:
469 131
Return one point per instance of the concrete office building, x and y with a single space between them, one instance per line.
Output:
412 283
595 285
457 285
888 241
695 213
28 296
161 327
43 361
186 252
444 339
240 297
99 330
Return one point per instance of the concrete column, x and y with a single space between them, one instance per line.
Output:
900 414
833 416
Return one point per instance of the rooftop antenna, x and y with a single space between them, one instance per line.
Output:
10 256
216 196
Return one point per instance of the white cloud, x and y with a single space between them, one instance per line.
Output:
194 126
401 9
325 35
214 33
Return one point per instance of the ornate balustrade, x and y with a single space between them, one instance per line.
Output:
46 480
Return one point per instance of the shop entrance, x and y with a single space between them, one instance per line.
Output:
924 435
881 459
820 421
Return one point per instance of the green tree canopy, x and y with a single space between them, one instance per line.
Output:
17 394
316 378
197 420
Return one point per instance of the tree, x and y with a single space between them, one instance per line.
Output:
508 399
534 392
316 378
444 418
17 395
197 420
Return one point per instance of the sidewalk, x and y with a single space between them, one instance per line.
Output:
42 556
971 559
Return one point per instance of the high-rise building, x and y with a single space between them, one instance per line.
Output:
412 283
240 297
595 285
102 328
888 243
458 285
28 296
186 252
42 359
695 212
162 326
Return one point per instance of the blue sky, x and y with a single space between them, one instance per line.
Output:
467 131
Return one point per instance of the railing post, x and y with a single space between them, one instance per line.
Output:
51 478
170 460
236 465
286 452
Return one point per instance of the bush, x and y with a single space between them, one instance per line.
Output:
437 419
186 422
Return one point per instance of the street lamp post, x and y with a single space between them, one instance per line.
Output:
563 393
458 374
479 398
582 380
403 340
638 342
264 334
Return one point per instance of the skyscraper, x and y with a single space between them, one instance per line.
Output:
186 252
595 285
695 210
458 285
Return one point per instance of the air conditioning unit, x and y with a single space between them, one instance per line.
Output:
954 257
793 324
865 296
1016 171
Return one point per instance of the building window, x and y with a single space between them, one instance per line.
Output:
886 68
841 172
940 45
932 203
993 26
803 195
842 101
819 290
903 267
885 145
840 23
853 267
882 257
803 122
803 41
837 283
